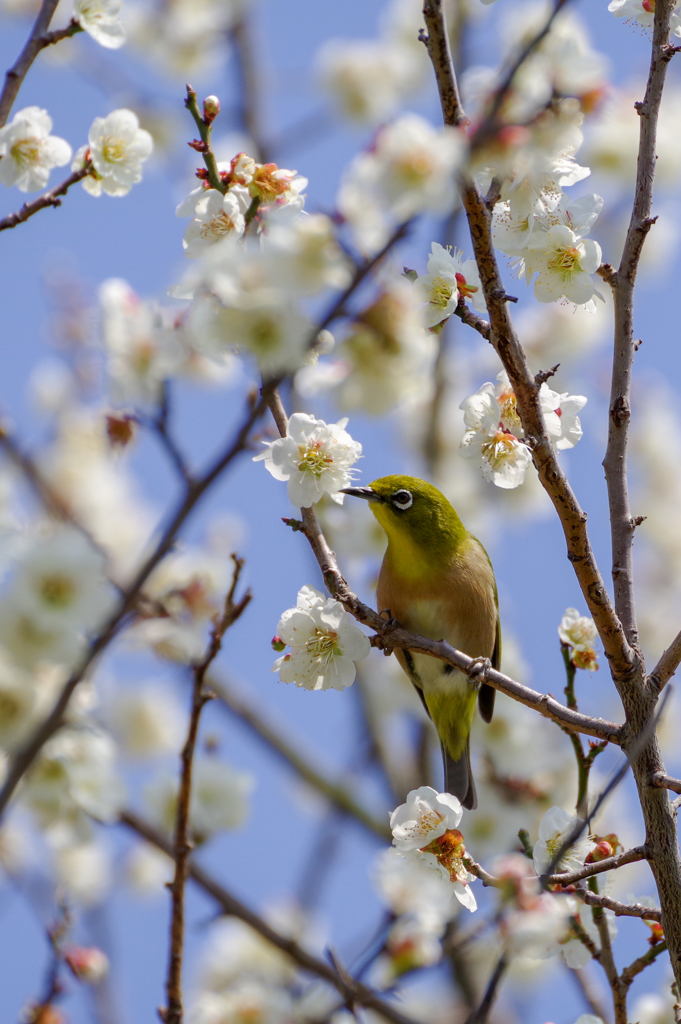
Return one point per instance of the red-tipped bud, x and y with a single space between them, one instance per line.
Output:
88 963
601 851
120 429
198 145
211 109
657 932
278 644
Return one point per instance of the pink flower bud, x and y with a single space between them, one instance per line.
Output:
88 963
601 851
278 644
211 109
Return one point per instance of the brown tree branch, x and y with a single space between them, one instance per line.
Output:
663 781
607 961
564 878
26 755
272 735
592 899
351 990
591 998
623 660
182 845
391 636
640 964
615 461
37 41
205 131
666 666
51 198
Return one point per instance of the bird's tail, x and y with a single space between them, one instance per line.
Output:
459 777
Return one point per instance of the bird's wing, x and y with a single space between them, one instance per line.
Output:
406 660
488 693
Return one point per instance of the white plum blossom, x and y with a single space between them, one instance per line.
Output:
18 703
494 432
277 186
215 217
101 19
502 457
579 633
424 829
146 720
367 78
448 279
304 255
535 930
554 829
315 458
28 152
425 816
324 640
409 889
643 11
117 147
219 798
409 170
564 267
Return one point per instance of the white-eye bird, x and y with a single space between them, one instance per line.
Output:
437 580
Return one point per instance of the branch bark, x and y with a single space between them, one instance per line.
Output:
666 666
37 41
592 899
182 845
51 198
351 990
27 754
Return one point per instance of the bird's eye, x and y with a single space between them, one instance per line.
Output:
402 499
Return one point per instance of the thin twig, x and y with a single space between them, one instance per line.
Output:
640 964
480 1015
350 989
273 735
51 198
472 319
182 845
37 41
160 424
637 853
26 755
250 81
205 131
583 983
607 960
390 635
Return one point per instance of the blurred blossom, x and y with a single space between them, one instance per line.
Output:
554 829
235 952
219 799
117 147
28 152
74 778
409 170
325 643
535 930
101 20
147 721
579 633
368 79
142 351
388 355
314 457
409 890
183 37
84 871
148 870
88 963
411 943
305 256
245 1001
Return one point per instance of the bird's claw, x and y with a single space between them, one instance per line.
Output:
477 672
380 640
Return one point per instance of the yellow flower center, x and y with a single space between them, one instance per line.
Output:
26 151
219 225
314 459
57 591
114 149
414 168
565 261
322 645
507 404
499 449
441 292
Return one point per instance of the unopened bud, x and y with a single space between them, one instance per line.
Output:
88 963
120 430
211 109
601 851
278 644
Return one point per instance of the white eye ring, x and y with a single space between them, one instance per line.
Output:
402 499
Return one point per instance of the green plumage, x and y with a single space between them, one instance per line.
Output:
437 580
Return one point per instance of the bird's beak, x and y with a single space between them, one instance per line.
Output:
362 492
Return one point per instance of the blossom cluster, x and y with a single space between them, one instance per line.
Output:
494 433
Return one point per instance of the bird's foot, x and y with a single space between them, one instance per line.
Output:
477 672
380 640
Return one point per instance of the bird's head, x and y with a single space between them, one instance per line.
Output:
413 512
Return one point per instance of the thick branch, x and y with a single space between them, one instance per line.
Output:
192 495
663 781
272 736
608 864
51 198
37 41
615 461
503 337
182 846
351 990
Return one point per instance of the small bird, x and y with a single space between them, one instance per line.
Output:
437 580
